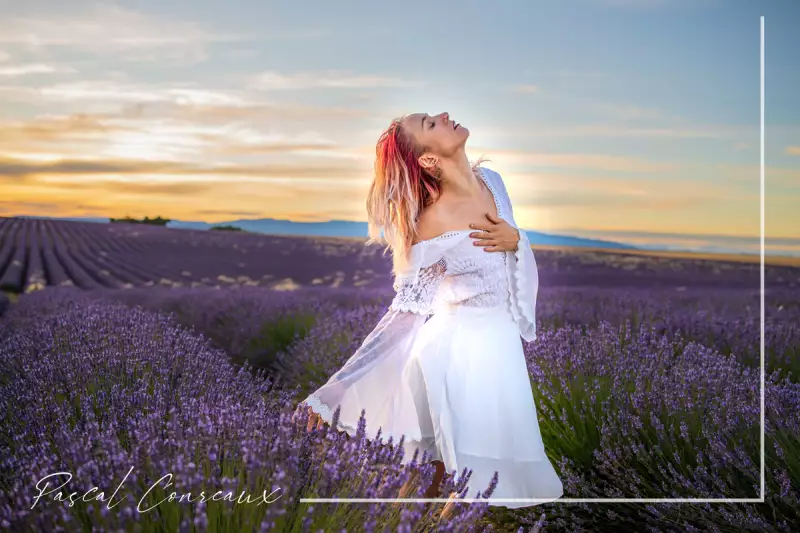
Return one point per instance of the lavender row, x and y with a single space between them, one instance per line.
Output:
132 255
728 321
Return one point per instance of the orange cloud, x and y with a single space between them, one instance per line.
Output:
516 158
525 89
22 169
272 81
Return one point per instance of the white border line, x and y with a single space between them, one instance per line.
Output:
626 500
763 491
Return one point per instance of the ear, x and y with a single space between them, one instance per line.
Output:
428 161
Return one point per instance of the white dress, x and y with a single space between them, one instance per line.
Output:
445 365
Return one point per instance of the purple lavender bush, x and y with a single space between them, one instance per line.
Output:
633 411
726 320
5 303
249 325
637 414
641 393
118 397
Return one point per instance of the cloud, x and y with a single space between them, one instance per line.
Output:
636 4
628 112
734 240
276 81
134 133
256 111
276 148
110 30
793 150
751 174
115 92
141 187
18 169
525 89
517 158
17 206
630 192
578 74
230 214
618 199
618 130
184 101
32 68
11 168
623 119
654 4
104 26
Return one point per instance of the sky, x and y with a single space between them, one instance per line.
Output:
633 120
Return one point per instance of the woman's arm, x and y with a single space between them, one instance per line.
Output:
382 355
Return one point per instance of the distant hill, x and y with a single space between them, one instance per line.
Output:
347 228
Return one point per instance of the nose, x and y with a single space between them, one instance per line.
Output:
445 116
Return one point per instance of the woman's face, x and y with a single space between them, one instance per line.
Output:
439 135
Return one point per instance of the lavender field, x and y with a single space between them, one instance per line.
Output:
134 352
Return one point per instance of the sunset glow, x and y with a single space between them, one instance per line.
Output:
254 111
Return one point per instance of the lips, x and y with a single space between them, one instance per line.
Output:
456 125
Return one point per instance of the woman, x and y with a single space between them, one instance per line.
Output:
455 385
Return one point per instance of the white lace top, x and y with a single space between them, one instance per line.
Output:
450 270
444 271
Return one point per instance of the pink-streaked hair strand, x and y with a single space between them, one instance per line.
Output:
399 192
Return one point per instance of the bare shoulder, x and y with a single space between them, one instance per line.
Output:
432 221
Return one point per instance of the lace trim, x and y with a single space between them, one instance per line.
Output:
418 297
521 309
326 413
320 408
497 204
513 286
443 236
453 233
522 282
489 184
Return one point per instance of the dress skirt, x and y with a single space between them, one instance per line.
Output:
468 385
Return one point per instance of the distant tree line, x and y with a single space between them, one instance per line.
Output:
158 221
226 227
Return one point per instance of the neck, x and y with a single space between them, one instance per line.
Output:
458 177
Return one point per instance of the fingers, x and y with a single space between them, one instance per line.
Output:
490 245
311 422
315 421
481 226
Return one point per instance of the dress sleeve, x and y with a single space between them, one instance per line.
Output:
369 378
523 273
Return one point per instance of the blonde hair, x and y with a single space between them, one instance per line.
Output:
399 192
